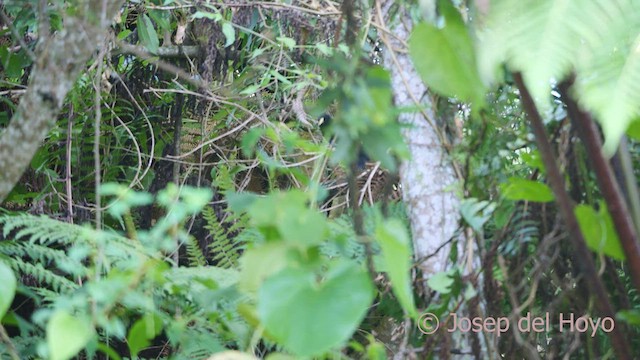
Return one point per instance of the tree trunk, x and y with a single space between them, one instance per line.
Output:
428 182
427 178
59 60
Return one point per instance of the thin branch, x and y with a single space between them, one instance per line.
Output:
170 68
96 136
60 60
11 348
174 51
583 257
630 183
68 185
608 185
177 136
358 217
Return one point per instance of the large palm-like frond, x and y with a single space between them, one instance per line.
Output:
547 40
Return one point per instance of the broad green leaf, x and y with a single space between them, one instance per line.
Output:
631 317
162 18
634 130
548 39
147 34
445 58
324 49
376 351
608 70
309 317
599 232
229 33
251 89
396 255
67 335
522 189
250 140
8 285
194 199
123 34
534 160
240 201
13 62
305 225
286 216
614 100
381 144
441 282
108 351
470 292
257 52
142 332
259 263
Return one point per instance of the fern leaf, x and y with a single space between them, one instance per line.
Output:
224 250
194 253
533 36
608 80
548 39
43 276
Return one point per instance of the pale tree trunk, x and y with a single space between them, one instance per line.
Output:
428 179
59 60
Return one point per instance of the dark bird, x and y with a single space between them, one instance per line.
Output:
324 122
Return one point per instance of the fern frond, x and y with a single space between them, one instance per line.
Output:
548 39
345 243
540 41
45 244
341 230
195 257
224 250
523 229
47 231
40 254
608 81
43 276
40 229
46 295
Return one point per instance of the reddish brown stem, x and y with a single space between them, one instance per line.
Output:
607 182
583 257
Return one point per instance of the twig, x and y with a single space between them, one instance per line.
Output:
367 185
392 52
531 351
134 50
96 135
68 166
13 352
177 136
358 218
630 184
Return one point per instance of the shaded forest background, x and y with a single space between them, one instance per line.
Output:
228 179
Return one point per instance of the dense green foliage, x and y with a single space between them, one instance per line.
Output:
207 213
